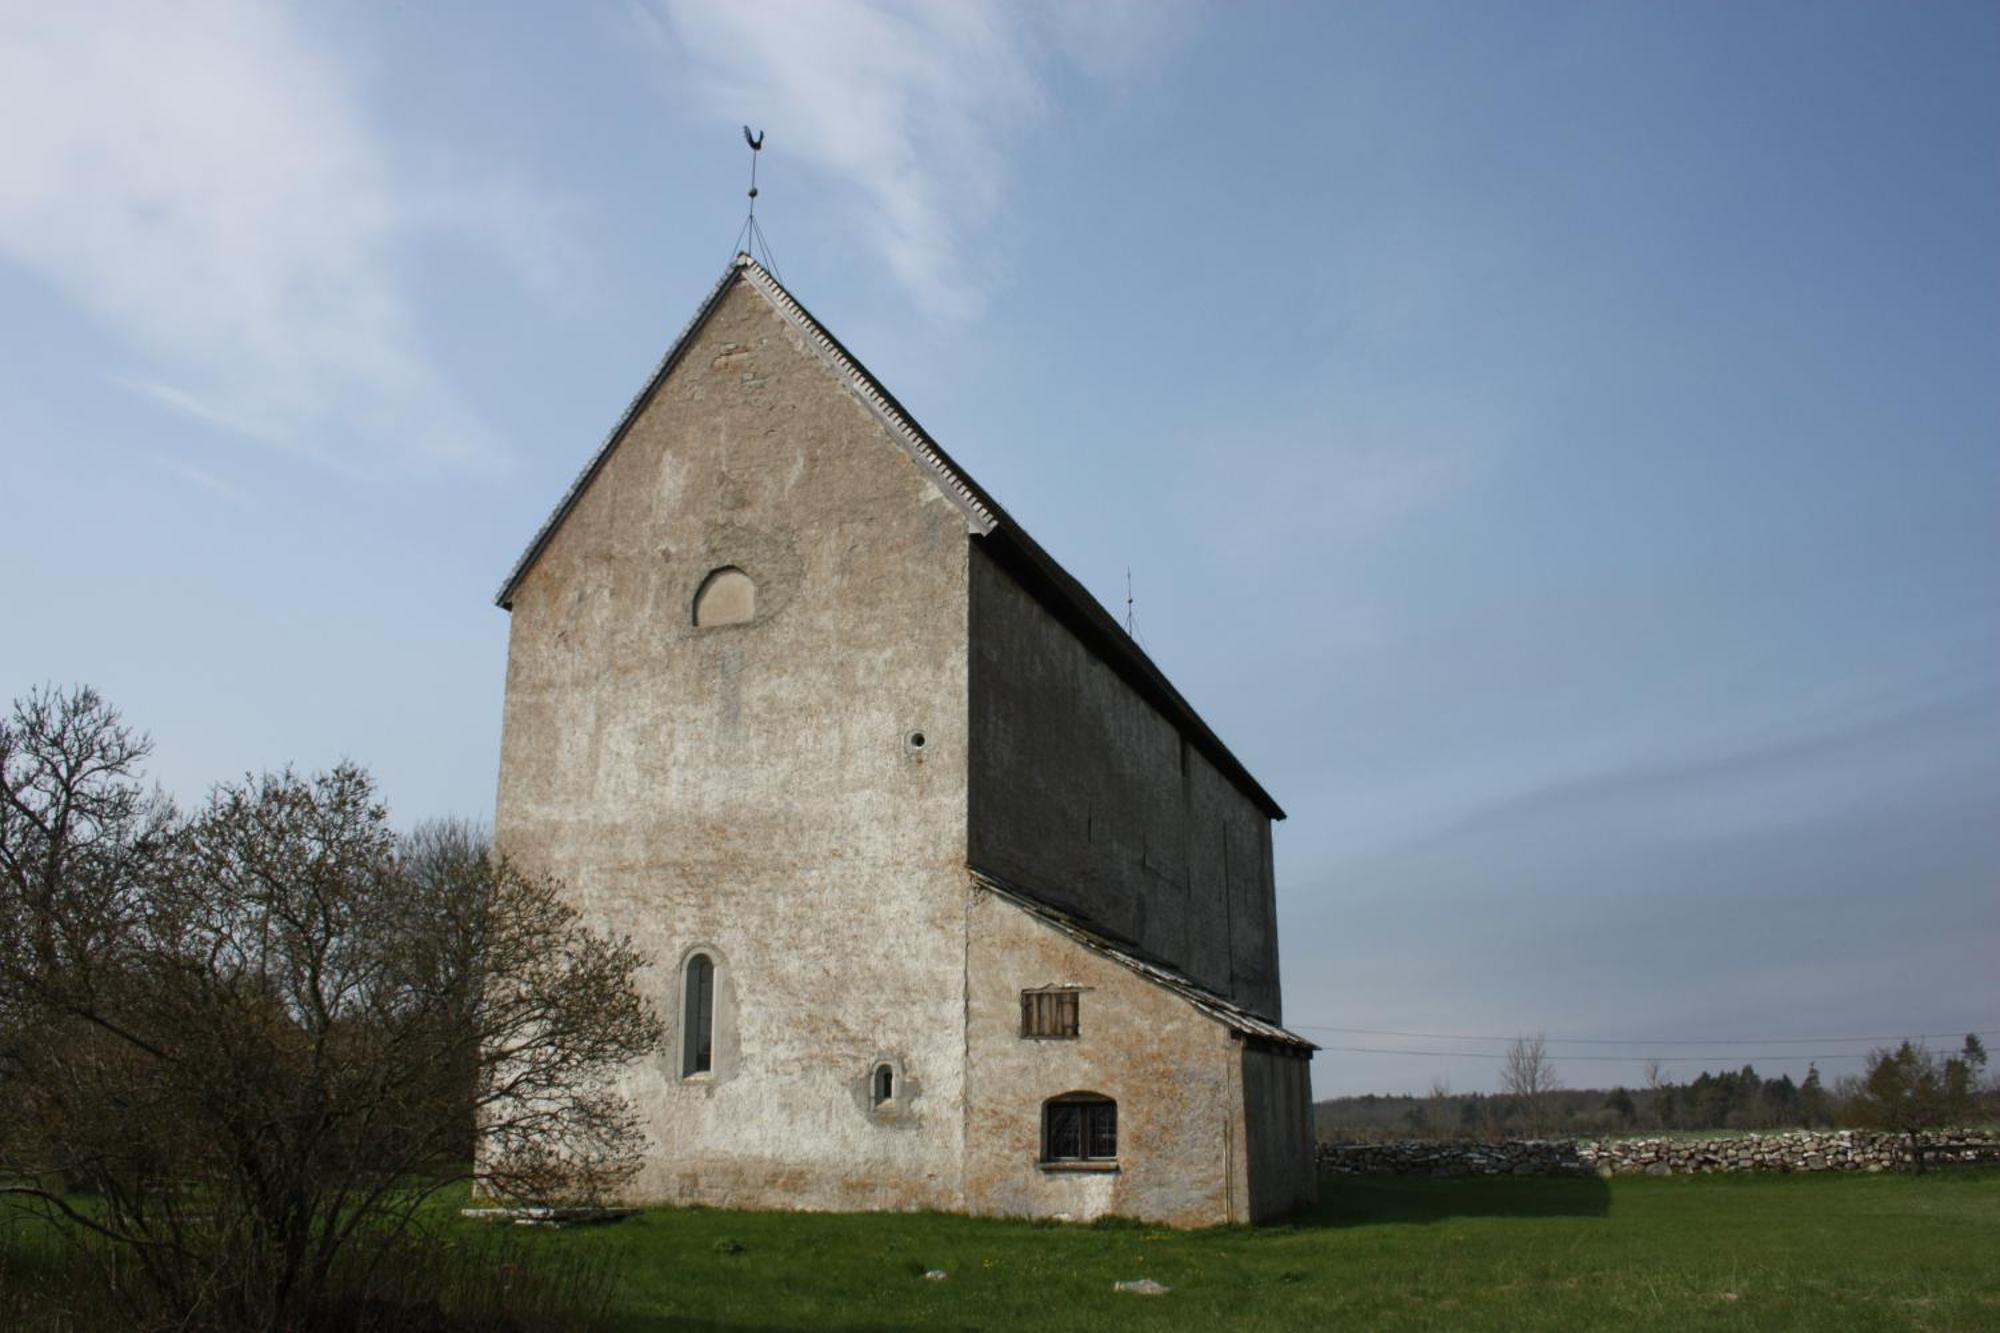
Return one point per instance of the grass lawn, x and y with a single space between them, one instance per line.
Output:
1821 1252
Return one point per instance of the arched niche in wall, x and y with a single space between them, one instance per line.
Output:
727 596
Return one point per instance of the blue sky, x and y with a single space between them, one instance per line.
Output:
1556 445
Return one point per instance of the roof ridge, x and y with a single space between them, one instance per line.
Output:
505 597
985 517
982 513
978 505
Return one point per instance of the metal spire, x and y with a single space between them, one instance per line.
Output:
750 240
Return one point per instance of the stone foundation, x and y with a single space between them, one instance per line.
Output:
1791 1150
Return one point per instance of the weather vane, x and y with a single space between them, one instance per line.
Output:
751 239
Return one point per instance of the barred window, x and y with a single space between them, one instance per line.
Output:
1079 1127
1049 1013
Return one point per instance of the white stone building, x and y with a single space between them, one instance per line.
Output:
954 902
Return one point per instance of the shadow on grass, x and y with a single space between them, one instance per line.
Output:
1355 1201
671 1324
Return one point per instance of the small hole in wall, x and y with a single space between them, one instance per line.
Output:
885 1084
914 741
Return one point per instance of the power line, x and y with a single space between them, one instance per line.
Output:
1643 1041
1767 1057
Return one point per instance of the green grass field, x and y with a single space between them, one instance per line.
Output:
1820 1252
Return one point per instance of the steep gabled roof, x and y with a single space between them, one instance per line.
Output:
978 507
1161 973
1011 546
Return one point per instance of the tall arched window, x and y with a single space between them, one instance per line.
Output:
1080 1127
726 597
698 1017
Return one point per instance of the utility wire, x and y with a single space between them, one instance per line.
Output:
1645 1041
1767 1057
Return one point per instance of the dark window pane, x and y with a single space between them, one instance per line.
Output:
698 1011
1065 1131
1080 1129
1102 1118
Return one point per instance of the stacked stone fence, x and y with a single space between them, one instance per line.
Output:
1791 1150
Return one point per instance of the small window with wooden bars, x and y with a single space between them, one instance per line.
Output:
1049 1014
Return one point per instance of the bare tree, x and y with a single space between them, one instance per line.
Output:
259 1036
1438 1117
77 831
1529 1076
1913 1089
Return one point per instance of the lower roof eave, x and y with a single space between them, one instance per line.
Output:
1240 1021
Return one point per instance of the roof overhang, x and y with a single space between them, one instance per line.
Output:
1223 1010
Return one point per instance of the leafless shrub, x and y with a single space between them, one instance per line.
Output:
258 1038
1529 1076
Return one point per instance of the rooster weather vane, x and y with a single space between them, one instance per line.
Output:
751 239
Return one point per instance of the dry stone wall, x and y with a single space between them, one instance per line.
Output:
1796 1150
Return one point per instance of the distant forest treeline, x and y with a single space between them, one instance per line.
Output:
1730 1100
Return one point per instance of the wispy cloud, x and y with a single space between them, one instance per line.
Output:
206 480
912 107
1342 467
187 404
202 180
1807 770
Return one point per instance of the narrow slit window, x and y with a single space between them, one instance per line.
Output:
885 1084
1049 1014
698 1017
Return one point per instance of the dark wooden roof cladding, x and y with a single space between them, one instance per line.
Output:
1084 616
1001 537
